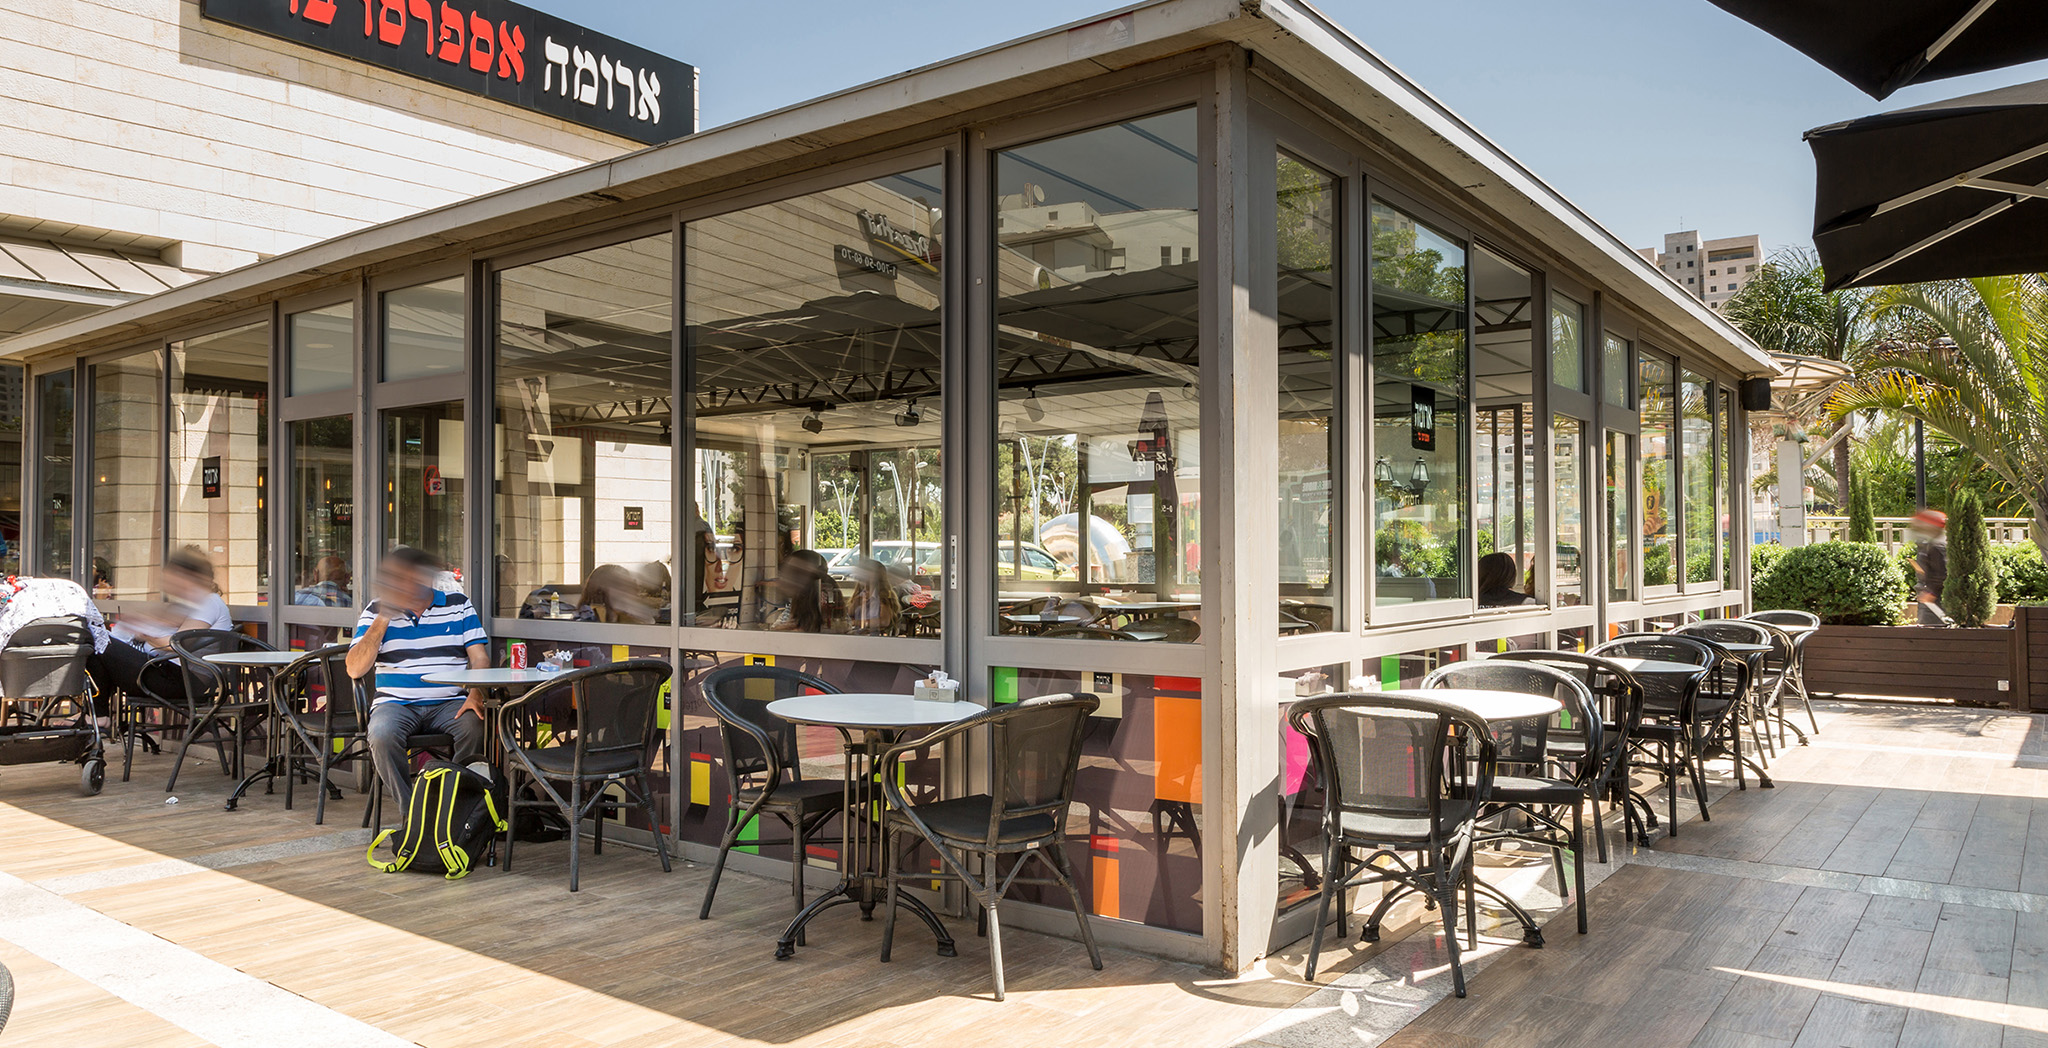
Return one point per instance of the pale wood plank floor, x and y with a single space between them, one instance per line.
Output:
1889 892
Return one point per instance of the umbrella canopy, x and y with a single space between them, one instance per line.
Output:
1883 45
1949 189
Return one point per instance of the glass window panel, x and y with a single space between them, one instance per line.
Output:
1419 371
1615 361
1621 545
1659 412
323 512
423 473
816 487
1567 343
1301 789
321 349
1098 372
1307 366
584 421
13 393
54 441
423 330
1724 485
126 530
1505 430
220 456
1696 444
1568 509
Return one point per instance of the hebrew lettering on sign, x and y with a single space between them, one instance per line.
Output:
479 46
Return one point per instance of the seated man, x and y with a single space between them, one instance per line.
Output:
411 631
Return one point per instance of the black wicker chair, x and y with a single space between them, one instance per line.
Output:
334 733
612 744
1687 718
1034 750
1798 627
1523 785
1398 789
213 704
762 767
1619 697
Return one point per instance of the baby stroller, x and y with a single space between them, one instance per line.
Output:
47 698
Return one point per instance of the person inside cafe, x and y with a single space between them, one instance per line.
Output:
802 598
1497 582
412 630
327 585
192 601
877 605
611 593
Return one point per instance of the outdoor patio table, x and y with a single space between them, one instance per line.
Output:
881 721
1045 620
495 682
243 664
1654 667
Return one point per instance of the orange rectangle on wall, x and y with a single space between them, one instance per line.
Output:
1177 747
1102 852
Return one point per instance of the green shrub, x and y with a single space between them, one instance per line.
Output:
1847 583
2022 575
1862 523
1971 594
1761 557
1905 557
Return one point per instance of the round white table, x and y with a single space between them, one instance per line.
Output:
244 663
1489 706
1637 664
880 720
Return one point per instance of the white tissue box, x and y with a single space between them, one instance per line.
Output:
925 693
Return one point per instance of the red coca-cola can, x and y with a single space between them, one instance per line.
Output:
518 655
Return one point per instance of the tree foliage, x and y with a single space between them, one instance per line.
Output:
1971 593
1862 522
1847 583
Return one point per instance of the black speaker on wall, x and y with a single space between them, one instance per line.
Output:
1756 394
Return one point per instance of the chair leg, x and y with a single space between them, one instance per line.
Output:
888 843
320 805
375 809
660 838
192 730
995 944
1579 863
1447 903
575 830
1331 880
127 742
511 811
732 830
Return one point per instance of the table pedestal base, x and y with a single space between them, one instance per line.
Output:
847 891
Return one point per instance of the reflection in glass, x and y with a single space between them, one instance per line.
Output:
1098 371
1621 545
1505 433
586 473
1419 367
1301 790
1615 364
126 536
1307 366
1567 343
423 330
323 517
54 435
220 456
816 489
1696 443
321 349
1568 511
1659 496
423 468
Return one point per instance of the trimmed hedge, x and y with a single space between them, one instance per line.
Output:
1845 583
2022 576
1761 557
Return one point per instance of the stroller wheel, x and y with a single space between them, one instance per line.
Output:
93 776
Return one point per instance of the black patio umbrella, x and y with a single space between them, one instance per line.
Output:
1949 189
1883 45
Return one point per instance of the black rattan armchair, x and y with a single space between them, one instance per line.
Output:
212 702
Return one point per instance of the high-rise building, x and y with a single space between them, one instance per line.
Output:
1712 270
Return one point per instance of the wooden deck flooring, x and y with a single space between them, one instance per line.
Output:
1892 891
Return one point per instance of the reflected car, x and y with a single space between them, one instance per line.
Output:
1038 562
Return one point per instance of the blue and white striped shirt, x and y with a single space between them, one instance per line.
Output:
435 641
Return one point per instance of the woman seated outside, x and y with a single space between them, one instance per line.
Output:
1497 582
192 601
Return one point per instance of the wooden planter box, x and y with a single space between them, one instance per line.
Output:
1981 666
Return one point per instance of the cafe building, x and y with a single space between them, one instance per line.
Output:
1190 356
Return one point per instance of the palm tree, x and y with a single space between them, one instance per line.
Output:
1982 381
1786 308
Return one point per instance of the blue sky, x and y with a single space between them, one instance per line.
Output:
1652 117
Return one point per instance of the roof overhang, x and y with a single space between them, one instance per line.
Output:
1296 37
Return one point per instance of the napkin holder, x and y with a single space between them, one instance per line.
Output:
923 692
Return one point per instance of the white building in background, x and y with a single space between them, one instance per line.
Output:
1711 270
144 143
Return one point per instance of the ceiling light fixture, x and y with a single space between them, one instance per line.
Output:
911 416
